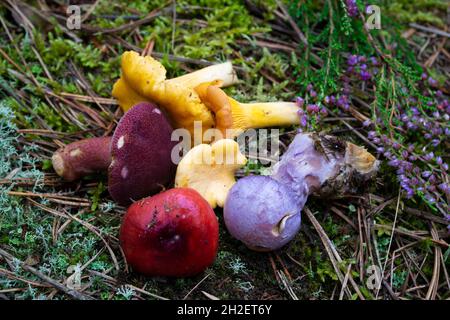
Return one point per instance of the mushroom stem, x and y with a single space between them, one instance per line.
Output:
324 166
261 115
231 114
223 72
220 74
83 157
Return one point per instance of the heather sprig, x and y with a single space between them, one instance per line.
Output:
311 109
408 123
411 135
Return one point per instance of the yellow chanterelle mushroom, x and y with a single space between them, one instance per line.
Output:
209 169
197 96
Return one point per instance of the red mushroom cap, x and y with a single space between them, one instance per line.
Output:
174 233
141 154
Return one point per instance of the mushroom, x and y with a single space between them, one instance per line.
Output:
141 149
197 97
174 233
138 155
262 213
233 117
144 79
83 157
324 165
210 169
314 164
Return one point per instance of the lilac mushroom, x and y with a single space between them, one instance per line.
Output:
324 166
262 213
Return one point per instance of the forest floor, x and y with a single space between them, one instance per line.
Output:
55 88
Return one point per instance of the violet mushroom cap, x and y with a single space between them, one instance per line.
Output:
262 213
141 150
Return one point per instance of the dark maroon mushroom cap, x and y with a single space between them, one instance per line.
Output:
141 154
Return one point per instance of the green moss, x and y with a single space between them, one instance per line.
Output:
422 11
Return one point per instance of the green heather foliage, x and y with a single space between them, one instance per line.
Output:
398 87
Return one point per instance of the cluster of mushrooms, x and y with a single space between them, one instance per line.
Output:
175 232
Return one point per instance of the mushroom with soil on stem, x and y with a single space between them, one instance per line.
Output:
324 165
314 164
197 97
137 156
209 169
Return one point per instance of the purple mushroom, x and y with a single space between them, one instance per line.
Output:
83 157
141 150
324 165
137 156
262 213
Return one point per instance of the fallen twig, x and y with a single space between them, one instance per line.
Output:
73 293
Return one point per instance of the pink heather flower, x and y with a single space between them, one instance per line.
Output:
435 142
304 121
366 123
394 163
444 187
432 82
430 198
426 174
352 60
352 9
374 61
365 76
300 101
362 59
312 108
